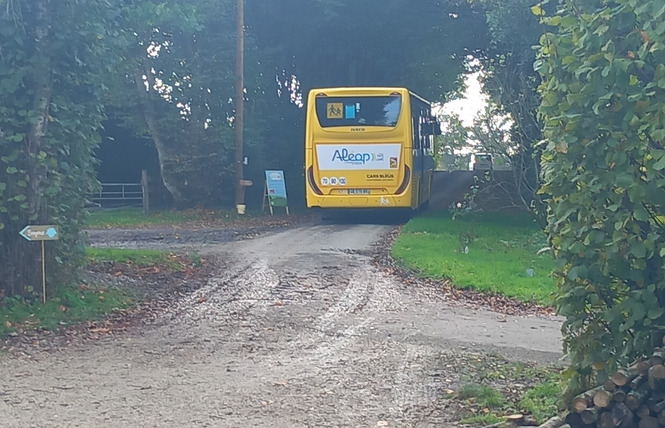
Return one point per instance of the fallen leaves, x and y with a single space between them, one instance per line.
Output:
152 269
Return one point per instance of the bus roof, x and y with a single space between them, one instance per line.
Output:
363 90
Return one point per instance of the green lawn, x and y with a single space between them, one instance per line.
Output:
69 305
140 257
489 252
493 388
134 217
73 304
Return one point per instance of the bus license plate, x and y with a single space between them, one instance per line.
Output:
358 191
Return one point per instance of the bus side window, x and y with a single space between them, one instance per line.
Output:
425 135
416 133
422 125
428 129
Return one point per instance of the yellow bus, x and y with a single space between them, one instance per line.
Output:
368 147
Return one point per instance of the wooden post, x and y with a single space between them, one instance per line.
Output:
43 275
41 233
240 103
266 198
145 188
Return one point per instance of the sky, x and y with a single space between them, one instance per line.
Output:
471 103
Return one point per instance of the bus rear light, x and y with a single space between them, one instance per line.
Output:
405 183
312 182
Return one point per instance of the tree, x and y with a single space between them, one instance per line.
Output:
604 171
330 43
53 57
174 85
376 43
183 55
509 78
492 132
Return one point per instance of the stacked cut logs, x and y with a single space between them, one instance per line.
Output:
633 397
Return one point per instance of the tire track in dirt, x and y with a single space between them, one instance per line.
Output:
332 358
297 330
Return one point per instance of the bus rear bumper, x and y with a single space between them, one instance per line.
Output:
353 202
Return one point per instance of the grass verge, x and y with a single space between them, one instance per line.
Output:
487 252
85 302
134 217
499 389
70 305
138 257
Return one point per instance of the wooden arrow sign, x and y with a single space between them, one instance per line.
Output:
40 233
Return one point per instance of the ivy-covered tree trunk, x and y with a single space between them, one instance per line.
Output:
42 90
51 66
27 182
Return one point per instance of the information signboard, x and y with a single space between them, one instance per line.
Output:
275 190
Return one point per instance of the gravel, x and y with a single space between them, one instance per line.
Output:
305 325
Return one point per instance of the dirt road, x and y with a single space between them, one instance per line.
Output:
298 329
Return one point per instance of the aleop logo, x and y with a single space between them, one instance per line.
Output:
345 155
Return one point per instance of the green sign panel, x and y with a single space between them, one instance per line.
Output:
276 188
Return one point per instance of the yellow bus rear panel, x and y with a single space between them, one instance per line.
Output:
364 148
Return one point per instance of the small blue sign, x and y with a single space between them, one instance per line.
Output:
350 111
51 232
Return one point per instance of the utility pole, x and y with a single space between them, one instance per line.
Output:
240 107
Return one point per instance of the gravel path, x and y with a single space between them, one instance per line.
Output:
295 329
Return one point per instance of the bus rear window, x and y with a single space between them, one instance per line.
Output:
355 111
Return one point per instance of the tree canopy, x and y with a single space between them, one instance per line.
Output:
164 71
374 42
187 107
507 74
